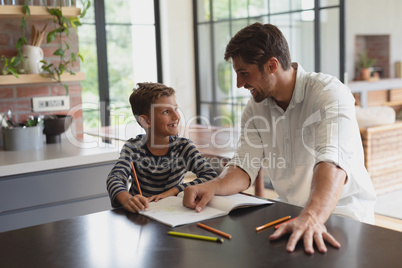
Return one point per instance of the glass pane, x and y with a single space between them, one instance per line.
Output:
239 9
90 15
90 93
205 64
224 116
283 22
206 114
203 12
120 64
302 4
302 41
221 9
222 68
258 7
144 54
330 41
278 6
237 25
326 3
118 11
142 12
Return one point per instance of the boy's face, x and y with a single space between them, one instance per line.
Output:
164 117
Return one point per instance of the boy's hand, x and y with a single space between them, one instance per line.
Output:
170 192
136 203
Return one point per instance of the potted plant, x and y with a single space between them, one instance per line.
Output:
62 28
13 65
364 64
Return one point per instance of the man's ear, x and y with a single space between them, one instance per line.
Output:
272 64
144 121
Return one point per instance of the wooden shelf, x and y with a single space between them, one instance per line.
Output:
37 12
37 78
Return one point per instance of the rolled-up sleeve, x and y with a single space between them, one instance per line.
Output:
333 140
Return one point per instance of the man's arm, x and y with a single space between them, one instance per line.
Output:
326 189
232 180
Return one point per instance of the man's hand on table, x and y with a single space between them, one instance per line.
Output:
308 228
197 196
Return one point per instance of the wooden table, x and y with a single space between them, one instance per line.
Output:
117 238
213 142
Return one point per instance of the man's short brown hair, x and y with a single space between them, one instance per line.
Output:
145 95
257 43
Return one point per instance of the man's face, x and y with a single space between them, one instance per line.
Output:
250 77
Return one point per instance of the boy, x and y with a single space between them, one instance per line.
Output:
160 157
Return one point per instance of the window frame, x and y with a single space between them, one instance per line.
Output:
101 45
317 46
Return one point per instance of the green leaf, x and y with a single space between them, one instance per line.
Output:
55 12
24 40
66 87
25 9
82 58
51 36
18 45
13 71
67 46
66 31
59 52
22 23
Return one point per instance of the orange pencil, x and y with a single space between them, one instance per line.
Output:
228 236
277 226
136 179
265 226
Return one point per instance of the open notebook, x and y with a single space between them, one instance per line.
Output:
171 211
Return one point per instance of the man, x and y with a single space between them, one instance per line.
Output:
304 126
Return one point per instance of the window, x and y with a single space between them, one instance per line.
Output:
314 30
119 42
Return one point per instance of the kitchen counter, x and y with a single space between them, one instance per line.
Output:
56 156
56 182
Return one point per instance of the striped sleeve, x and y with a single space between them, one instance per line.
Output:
118 177
197 164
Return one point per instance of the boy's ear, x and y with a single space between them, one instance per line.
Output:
144 121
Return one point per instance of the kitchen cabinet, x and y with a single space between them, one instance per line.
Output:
56 182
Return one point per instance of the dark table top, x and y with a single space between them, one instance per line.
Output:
119 239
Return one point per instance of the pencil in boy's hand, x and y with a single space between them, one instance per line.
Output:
228 236
135 177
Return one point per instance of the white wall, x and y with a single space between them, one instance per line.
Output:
178 52
373 17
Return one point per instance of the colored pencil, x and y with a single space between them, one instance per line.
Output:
277 226
228 236
136 179
200 237
265 226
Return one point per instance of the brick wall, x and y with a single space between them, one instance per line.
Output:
378 47
17 98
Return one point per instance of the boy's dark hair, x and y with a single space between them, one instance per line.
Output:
146 94
257 43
